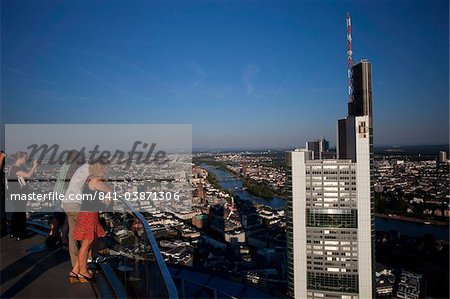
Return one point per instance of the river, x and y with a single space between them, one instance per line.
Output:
236 185
412 229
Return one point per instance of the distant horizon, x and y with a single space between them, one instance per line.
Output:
332 147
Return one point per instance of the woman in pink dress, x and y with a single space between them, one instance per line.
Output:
88 227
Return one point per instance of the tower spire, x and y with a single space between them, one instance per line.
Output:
349 58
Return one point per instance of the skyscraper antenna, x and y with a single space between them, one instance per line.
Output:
349 57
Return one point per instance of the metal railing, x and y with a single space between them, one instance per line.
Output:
171 290
129 253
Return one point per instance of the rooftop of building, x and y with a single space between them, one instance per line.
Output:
29 270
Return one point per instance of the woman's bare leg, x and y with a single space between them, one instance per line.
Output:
82 257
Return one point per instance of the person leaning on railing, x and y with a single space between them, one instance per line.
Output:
88 226
17 185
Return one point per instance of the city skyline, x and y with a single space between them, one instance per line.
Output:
244 74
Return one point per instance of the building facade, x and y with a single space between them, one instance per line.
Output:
330 223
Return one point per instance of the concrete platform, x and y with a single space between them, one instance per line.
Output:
26 273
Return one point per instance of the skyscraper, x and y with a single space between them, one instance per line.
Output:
443 157
330 224
318 147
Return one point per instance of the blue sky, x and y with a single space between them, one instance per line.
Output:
245 74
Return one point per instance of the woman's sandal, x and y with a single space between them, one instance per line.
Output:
73 278
85 279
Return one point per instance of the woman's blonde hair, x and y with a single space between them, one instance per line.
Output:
19 155
97 170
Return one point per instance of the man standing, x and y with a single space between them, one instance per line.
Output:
73 162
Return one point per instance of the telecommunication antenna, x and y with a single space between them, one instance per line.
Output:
349 57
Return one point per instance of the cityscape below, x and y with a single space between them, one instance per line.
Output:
339 216
236 227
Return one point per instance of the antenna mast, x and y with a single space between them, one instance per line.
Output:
349 57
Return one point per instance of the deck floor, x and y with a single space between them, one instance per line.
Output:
44 274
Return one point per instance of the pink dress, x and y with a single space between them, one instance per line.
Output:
88 226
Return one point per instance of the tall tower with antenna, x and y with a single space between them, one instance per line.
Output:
330 227
349 58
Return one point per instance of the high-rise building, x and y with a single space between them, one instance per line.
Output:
318 147
330 223
244 168
200 192
443 157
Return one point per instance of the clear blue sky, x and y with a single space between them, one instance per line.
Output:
245 74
